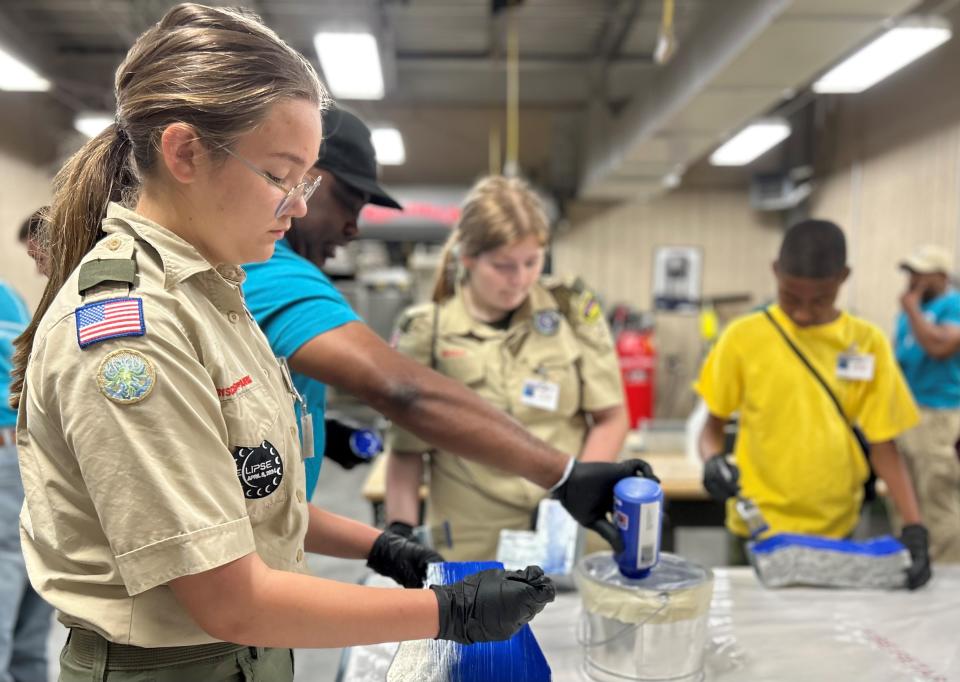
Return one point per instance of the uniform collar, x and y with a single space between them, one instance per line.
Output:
181 260
458 321
826 328
538 300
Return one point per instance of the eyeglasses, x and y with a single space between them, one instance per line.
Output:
303 189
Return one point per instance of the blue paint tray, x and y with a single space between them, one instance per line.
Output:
518 659
787 559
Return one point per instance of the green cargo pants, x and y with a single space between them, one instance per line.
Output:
89 658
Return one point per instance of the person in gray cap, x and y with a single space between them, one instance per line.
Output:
307 320
928 350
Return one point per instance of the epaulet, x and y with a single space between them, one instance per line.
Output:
412 314
111 261
575 300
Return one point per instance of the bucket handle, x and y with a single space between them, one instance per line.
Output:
583 637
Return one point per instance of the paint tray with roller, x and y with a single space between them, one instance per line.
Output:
787 559
518 659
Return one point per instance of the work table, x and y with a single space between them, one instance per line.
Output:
793 634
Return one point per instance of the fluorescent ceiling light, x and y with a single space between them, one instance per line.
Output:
351 64
388 144
91 123
18 77
751 142
888 53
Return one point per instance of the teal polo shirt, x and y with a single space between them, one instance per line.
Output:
934 383
14 318
293 301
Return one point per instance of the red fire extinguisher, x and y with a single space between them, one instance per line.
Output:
638 361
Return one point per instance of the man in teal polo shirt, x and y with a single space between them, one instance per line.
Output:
928 350
292 300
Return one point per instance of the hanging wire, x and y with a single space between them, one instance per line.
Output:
511 166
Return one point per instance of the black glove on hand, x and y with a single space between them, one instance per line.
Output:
492 605
721 478
916 539
403 560
402 529
588 494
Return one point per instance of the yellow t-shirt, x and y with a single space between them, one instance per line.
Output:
798 460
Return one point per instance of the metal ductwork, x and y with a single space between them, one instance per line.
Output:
739 62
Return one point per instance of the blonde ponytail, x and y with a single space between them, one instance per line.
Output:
90 179
445 283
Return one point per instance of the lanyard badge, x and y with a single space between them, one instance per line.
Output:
306 418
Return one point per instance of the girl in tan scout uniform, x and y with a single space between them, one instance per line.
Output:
165 515
538 349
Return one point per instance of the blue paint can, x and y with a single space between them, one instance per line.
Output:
637 511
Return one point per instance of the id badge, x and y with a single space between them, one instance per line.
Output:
306 435
544 395
855 366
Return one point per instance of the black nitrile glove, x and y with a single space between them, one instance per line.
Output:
403 560
588 494
721 478
492 605
916 539
401 528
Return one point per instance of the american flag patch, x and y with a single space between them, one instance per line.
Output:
109 319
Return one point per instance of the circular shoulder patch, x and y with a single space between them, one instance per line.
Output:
126 376
546 322
259 468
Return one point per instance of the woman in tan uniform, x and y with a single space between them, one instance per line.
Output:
165 515
537 348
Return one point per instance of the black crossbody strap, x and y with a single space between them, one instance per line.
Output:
816 375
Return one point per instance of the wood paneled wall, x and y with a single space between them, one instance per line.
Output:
889 163
614 252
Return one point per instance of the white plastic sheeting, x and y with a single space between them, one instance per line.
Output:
786 635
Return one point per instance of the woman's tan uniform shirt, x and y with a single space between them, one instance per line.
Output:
150 457
553 365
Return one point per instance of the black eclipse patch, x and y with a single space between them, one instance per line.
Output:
259 468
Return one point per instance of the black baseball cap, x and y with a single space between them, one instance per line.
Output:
347 152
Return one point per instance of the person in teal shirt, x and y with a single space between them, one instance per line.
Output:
24 616
928 350
291 299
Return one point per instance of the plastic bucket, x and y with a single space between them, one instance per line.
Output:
649 629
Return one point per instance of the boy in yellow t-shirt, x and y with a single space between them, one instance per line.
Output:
796 456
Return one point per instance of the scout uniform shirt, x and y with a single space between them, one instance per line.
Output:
156 435
799 461
553 365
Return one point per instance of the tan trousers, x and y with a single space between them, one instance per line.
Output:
932 460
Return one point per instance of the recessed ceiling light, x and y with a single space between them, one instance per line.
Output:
351 64
757 138
890 52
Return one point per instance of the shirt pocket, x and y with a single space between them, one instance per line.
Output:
260 449
561 370
464 366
